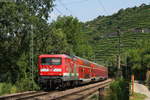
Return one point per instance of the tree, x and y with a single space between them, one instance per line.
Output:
15 28
71 28
139 58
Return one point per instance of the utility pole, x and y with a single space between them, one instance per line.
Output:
101 93
119 53
94 58
31 56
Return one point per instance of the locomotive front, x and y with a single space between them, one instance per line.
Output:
50 70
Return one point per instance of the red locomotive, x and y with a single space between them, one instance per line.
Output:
60 71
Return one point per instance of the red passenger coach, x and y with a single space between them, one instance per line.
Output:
60 71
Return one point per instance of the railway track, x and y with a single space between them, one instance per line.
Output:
83 93
77 93
23 95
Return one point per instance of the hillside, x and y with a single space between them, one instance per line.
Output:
132 24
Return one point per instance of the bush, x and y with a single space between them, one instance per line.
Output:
25 84
119 90
6 88
13 89
19 86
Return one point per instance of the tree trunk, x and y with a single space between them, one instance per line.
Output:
148 77
132 84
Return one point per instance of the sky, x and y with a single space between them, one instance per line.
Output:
86 10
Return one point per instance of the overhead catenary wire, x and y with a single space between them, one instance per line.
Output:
68 10
64 6
76 2
101 4
58 11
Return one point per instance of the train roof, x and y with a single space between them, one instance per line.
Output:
90 61
54 55
70 56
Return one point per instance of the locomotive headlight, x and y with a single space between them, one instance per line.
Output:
57 70
44 70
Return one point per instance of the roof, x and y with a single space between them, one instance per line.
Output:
90 62
64 56
53 55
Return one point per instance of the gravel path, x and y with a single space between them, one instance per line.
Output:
140 88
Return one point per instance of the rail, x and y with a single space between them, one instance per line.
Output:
23 95
77 93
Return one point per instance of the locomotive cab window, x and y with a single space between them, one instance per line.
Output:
51 61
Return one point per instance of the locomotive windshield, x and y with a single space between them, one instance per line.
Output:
51 61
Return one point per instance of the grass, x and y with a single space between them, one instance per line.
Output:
1 88
94 97
7 88
138 96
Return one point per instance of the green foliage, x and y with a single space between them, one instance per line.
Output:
119 90
94 97
13 89
25 84
74 40
125 18
138 96
22 65
103 34
139 57
21 85
6 88
146 60
65 35
17 21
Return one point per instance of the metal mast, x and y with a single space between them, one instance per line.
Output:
31 56
119 53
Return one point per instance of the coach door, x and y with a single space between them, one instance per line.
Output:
75 71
